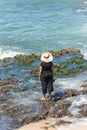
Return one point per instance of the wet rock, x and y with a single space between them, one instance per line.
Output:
16 111
83 110
22 114
54 108
35 86
84 85
66 51
7 85
62 122
73 92
83 92
59 109
6 89
6 81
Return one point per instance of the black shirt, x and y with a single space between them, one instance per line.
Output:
46 67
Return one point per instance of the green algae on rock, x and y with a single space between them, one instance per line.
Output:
26 59
74 64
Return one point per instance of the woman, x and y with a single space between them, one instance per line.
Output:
46 74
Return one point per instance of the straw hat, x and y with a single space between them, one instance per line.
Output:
46 57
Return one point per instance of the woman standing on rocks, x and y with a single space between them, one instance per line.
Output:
46 74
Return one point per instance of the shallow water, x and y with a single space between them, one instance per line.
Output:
34 26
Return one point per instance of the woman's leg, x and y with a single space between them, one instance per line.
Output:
50 86
44 88
49 95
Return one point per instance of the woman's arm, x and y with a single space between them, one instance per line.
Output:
40 70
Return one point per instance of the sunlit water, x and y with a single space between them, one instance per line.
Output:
34 26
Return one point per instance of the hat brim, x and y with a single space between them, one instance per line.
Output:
46 59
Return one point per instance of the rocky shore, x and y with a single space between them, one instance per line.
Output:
15 73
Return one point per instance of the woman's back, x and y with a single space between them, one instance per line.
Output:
46 66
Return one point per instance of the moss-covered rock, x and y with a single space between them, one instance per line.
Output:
35 72
26 59
74 64
5 59
63 69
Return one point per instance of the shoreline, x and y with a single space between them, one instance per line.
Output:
20 90
64 123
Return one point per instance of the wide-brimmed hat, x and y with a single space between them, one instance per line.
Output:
46 57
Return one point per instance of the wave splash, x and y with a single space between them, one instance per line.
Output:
4 53
78 101
84 8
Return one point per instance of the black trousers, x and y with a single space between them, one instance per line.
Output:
47 82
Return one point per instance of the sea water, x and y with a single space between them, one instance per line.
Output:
34 26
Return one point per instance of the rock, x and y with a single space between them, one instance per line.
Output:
6 88
73 92
62 122
84 85
83 110
61 109
7 85
66 51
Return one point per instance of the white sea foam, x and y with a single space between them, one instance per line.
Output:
85 2
8 53
80 100
85 55
82 10
68 83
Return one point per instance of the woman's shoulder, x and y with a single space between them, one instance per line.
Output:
44 63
